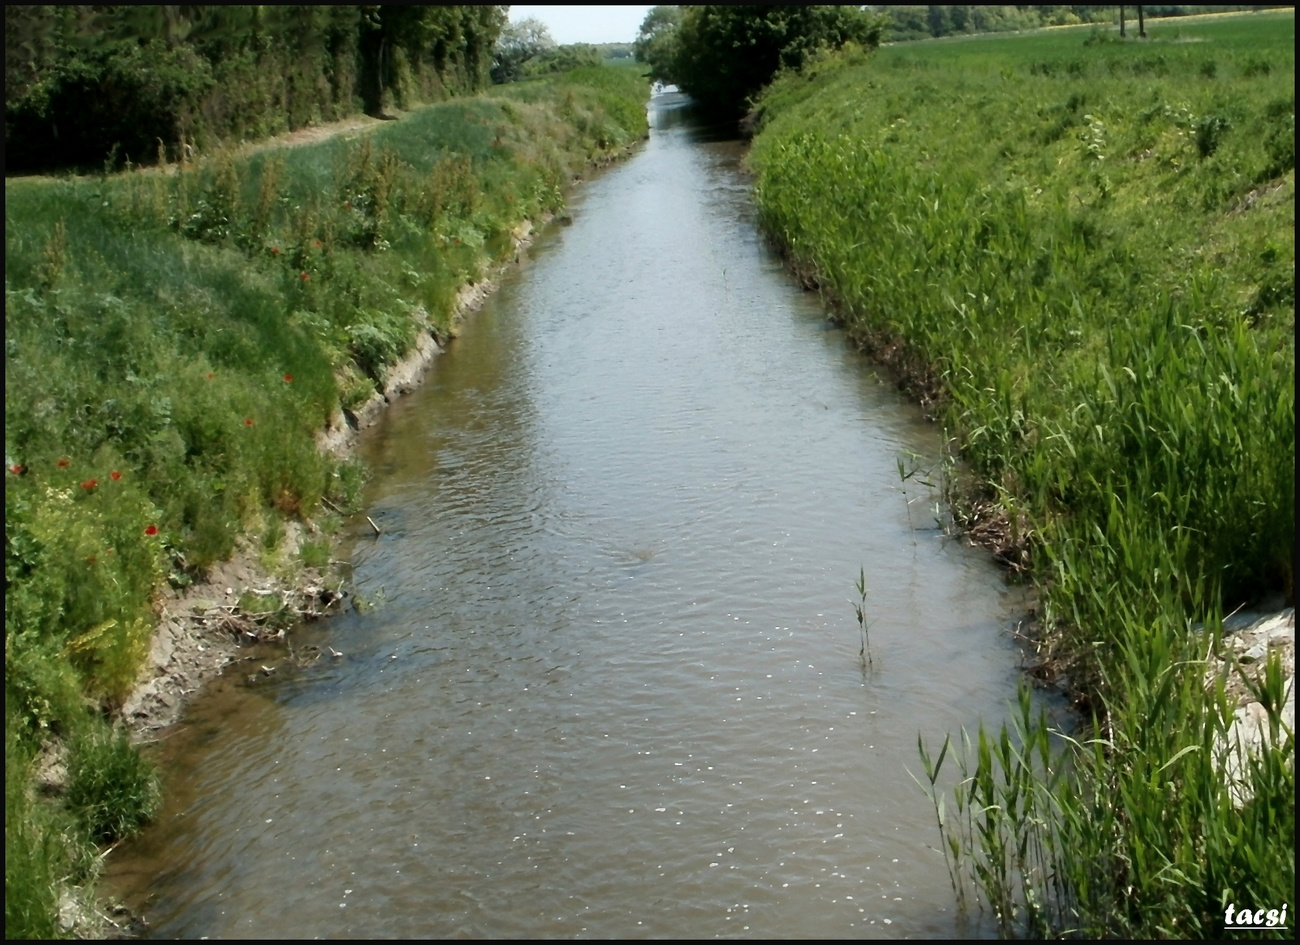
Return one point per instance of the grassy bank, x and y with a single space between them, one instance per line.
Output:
1083 249
174 340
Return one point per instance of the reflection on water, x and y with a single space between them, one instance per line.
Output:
615 689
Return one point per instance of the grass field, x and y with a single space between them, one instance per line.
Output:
173 342
1085 249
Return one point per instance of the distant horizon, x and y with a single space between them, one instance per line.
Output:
593 24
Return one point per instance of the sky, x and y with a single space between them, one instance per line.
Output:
594 24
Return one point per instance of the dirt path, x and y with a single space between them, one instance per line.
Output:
315 134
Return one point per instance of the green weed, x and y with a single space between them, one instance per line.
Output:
112 788
42 849
175 340
315 554
1083 253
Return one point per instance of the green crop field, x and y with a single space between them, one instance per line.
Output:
1084 249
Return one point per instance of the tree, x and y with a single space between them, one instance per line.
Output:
656 44
725 54
519 43
90 84
395 33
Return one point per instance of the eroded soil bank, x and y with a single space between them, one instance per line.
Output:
204 629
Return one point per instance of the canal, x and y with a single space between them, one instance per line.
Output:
609 683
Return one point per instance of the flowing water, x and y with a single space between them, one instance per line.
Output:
612 684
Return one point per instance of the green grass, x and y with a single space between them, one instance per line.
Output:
1087 248
173 343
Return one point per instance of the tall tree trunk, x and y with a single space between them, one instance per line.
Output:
1121 21
1142 24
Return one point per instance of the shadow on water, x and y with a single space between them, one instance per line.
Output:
676 110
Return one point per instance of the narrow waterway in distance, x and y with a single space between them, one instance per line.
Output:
611 685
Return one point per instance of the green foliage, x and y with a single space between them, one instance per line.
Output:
939 20
174 340
88 84
518 45
723 55
315 554
1133 829
1090 265
112 788
656 42
38 856
563 59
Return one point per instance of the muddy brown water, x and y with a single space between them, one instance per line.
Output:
611 685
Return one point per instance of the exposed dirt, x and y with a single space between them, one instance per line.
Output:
1250 640
314 134
209 626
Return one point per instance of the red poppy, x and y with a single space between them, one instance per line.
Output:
90 559
319 244
151 530
89 484
248 421
108 551
304 277
288 378
64 463
115 475
211 375
275 250
347 205
18 469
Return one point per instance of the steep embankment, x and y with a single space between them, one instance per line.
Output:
1082 252
179 343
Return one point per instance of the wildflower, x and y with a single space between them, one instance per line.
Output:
288 378
304 277
89 484
115 475
319 244
211 375
64 463
90 559
18 469
151 530
347 205
248 421
275 250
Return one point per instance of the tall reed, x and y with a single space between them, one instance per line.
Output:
1084 255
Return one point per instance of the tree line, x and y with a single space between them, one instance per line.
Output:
103 85
723 55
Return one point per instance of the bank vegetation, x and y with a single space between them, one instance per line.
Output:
1081 252
175 339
